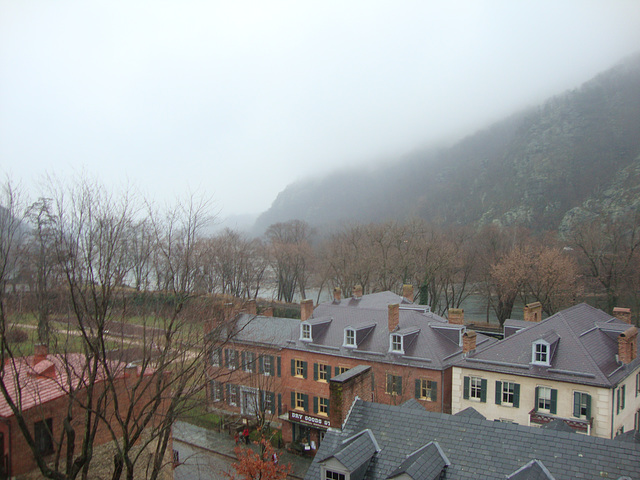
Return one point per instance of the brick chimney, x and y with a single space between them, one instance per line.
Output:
337 294
251 307
228 311
394 316
628 345
533 312
40 352
306 309
623 314
468 341
357 381
456 316
357 292
407 292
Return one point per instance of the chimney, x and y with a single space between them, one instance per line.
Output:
228 311
407 292
357 292
40 352
356 382
251 307
306 309
628 345
468 341
623 314
394 316
267 312
456 316
337 294
533 312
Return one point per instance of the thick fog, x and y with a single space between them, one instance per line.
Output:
238 99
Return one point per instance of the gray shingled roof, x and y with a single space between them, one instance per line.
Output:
435 345
269 331
585 353
478 448
426 463
471 413
534 470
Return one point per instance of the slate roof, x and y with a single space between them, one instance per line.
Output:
426 463
268 331
435 345
478 448
585 353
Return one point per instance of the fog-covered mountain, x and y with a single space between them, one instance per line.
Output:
577 154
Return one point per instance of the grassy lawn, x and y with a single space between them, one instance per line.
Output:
200 417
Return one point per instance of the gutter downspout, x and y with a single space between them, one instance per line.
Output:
613 409
442 391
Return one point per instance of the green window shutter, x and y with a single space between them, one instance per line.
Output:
498 392
337 371
278 361
389 383
272 396
328 372
305 399
261 365
293 400
465 392
328 411
236 358
624 394
588 406
226 357
228 388
418 385
315 371
399 385
279 404
554 401
315 404
304 369
244 359
261 401
576 404
434 391
516 395
483 390
293 367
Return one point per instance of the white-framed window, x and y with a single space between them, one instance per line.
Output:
267 365
581 405
333 475
427 389
396 343
620 398
475 388
231 358
268 399
637 384
544 399
216 391
540 353
305 332
508 393
233 392
636 421
349 337
215 357
248 361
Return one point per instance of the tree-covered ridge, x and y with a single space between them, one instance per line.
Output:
529 170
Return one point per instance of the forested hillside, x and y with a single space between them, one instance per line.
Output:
576 155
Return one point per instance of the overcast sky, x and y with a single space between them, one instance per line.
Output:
240 98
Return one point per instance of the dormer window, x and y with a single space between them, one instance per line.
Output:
305 332
540 353
396 344
349 337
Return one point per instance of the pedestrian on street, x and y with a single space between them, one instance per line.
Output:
245 433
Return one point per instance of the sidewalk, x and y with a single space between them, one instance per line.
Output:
223 444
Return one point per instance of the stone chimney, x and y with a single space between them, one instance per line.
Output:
337 294
468 341
628 345
40 352
623 314
228 311
344 388
394 316
533 312
267 312
357 292
251 307
456 316
306 309
407 292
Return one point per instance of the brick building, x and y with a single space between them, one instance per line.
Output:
409 350
41 384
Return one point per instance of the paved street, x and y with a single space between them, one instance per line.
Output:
199 464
